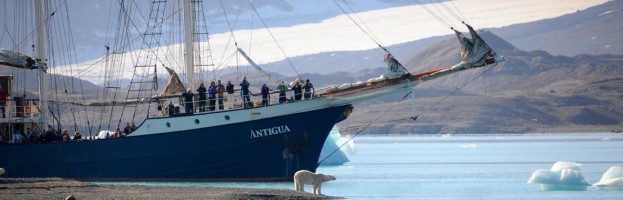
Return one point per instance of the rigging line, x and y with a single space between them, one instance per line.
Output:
223 62
434 3
459 11
54 28
65 39
433 14
231 30
32 32
221 68
368 125
125 45
459 18
274 39
251 32
435 104
362 22
166 51
221 65
359 26
455 91
5 21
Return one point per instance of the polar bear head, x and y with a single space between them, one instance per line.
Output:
326 177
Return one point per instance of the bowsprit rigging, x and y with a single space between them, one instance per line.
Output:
474 53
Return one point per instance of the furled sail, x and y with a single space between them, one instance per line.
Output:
257 67
394 68
16 59
474 51
174 84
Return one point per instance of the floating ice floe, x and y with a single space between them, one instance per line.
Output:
562 176
468 145
612 179
336 149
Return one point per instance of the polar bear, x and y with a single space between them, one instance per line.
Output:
1 171
304 177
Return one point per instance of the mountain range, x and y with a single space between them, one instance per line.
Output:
530 92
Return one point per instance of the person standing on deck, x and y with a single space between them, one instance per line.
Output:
220 90
265 95
171 108
282 92
244 89
297 91
188 101
202 97
212 90
230 95
77 136
3 96
17 137
127 128
29 136
65 135
309 87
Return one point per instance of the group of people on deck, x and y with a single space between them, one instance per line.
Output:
34 136
223 95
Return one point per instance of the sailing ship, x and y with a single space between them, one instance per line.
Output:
245 143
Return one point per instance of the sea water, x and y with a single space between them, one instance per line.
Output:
462 167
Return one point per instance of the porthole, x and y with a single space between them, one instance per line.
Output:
168 124
196 121
226 117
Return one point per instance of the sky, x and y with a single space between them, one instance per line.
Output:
302 27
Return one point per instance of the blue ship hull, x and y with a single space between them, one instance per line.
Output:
219 153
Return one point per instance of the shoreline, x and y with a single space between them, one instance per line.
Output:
59 188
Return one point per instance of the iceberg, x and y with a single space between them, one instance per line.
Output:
332 144
611 179
562 176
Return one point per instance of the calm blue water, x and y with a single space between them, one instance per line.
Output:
463 167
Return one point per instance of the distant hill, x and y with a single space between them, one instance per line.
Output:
530 92
595 30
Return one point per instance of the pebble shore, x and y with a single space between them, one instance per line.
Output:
58 188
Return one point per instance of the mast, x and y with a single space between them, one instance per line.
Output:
42 64
188 43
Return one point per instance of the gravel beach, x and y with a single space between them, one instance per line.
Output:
58 188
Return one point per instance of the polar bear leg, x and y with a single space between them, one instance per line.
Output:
317 188
298 186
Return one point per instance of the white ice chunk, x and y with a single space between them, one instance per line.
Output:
612 179
336 149
560 165
572 177
543 176
562 176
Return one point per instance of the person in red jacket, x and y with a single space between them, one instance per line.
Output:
3 96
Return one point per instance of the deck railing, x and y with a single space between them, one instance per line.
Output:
230 101
20 108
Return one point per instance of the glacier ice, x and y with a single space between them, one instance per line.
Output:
562 176
332 144
611 179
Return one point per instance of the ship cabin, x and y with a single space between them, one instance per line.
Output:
20 113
